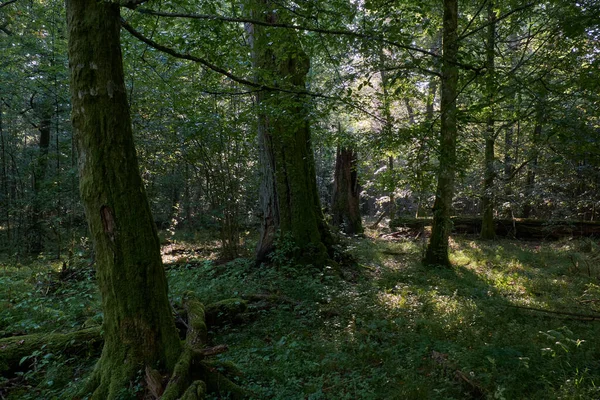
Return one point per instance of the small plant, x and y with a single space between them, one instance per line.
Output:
285 252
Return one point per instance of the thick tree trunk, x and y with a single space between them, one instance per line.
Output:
487 200
139 329
437 249
345 208
289 199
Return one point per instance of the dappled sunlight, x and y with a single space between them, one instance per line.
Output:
182 252
397 330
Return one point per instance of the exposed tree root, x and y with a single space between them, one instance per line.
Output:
193 375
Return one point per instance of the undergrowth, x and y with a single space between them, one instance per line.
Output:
390 329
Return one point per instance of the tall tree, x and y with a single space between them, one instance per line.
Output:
139 329
437 249
289 200
488 230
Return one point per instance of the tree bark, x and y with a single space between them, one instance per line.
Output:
346 210
289 200
4 195
532 166
488 197
423 151
35 233
437 249
139 329
386 131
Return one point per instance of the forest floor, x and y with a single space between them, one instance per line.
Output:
510 320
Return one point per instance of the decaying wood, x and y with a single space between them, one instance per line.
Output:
519 228
271 298
564 314
375 224
213 351
14 349
474 389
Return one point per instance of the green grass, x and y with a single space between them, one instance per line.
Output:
392 329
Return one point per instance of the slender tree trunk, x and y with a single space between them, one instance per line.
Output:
387 132
289 199
508 160
39 174
187 198
423 152
531 173
530 180
345 208
437 249
139 329
4 195
488 230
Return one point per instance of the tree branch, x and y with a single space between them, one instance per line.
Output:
343 32
243 81
5 30
7 3
500 18
190 57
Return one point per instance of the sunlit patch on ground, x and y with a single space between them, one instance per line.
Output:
181 253
399 330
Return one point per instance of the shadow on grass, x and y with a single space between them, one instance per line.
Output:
375 338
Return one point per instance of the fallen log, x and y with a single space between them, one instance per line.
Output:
520 228
472 388
564 314
18 352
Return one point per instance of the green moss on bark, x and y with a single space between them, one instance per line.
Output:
138 326
288 196
437 249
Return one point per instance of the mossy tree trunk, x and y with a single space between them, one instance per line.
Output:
289 200
437 249
345 208
139 329
487 200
